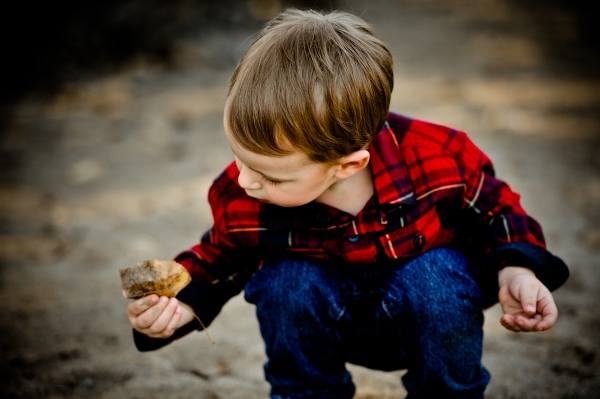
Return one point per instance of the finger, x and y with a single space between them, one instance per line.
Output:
508 322
171 327
528 295
174 321
163 320
549 313
139 306
528 323
149 317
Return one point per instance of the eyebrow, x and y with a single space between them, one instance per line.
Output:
267 176
262 173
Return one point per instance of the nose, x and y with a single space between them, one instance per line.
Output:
248 179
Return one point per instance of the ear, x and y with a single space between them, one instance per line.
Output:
353 163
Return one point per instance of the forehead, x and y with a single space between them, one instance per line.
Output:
273 165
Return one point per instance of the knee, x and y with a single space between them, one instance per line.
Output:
294 286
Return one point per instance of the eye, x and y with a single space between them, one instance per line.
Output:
271 182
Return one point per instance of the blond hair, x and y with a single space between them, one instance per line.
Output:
320 83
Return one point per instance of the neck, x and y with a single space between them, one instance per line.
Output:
351 194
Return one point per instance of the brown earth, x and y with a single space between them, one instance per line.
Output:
114 169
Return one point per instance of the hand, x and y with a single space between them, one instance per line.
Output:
527 304
156 317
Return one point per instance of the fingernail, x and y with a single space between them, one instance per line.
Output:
164 299
178 310
529 308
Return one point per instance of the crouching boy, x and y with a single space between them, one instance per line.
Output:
361 236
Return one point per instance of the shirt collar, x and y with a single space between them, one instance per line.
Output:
391 180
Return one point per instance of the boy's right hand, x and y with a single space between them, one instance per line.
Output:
155 317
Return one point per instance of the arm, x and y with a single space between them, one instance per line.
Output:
219 270
159 321
516 267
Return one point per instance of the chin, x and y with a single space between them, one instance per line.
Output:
281 204
289 205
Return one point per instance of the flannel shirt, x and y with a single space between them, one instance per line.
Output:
432 187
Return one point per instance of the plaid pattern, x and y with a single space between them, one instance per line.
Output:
433 187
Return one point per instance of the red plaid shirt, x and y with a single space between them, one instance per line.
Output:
433 187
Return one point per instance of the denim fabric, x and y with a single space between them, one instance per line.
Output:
424 315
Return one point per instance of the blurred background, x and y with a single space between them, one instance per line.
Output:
110 135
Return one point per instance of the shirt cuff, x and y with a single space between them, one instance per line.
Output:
144 343
549 269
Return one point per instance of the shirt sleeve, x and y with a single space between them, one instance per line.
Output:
500 225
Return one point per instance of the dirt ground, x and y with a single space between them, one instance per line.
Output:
115 168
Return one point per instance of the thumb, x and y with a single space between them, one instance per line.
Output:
529 300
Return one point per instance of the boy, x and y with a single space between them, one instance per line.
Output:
360 236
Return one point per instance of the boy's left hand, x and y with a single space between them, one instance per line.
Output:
527 304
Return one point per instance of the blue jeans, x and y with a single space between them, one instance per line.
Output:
424 315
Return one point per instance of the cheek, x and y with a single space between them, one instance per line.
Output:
284 197
278 195
294 196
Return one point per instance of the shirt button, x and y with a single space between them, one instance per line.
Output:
353 238
419 242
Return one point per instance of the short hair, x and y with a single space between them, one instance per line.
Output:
320 83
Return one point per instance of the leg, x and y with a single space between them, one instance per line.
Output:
437 308
298 302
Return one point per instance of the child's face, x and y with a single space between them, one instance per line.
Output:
290 180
